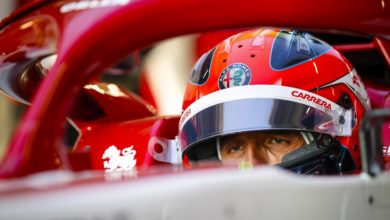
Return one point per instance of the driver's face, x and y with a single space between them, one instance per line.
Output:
259 147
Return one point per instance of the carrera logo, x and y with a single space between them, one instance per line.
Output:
311 98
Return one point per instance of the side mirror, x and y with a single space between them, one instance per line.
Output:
375 141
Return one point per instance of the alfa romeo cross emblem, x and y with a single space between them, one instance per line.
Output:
237 74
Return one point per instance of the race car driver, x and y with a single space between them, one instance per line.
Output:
268 96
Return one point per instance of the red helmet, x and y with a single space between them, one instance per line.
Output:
276 80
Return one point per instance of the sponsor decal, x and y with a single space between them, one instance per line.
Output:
89 4
311 98
184 116
354 82
386 151
119 160
237 74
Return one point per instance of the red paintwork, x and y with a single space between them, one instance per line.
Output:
377 93
356 47
104 119
138 133
208 40
88 41
22 11
384 47
113 107
22 2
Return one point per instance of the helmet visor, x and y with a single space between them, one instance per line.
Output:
263 113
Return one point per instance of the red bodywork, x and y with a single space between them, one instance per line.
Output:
88 41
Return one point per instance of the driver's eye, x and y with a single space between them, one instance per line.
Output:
277 141
235 148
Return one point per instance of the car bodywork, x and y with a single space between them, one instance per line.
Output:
87 37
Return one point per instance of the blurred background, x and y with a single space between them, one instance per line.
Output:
6 109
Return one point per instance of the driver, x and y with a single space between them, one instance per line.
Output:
279 97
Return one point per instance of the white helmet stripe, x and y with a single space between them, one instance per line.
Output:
262 91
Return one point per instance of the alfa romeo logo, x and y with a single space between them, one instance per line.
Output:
237 74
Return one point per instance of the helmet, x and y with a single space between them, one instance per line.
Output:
268 80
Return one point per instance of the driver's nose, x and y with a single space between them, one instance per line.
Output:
253 154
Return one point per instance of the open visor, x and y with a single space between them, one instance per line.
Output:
254 109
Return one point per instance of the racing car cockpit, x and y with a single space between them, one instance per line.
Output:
265 95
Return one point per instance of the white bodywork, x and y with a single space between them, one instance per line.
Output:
263 193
